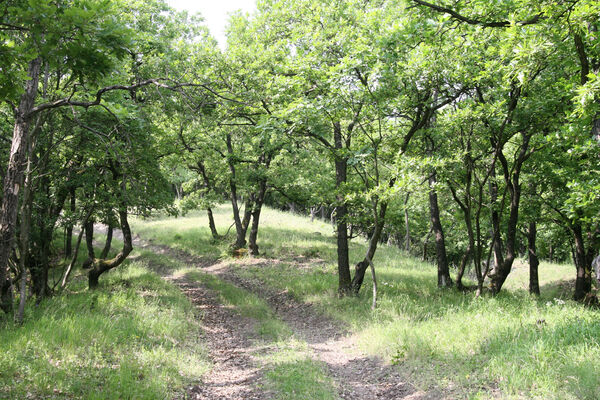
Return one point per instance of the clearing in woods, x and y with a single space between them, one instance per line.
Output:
275 328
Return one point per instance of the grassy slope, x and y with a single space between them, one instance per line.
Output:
543 348
134 338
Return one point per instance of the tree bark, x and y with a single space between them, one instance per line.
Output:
69 233
108 243
425 244
583 281
242 230
252 245
496 236
534 262
25 227
89 242
211 224
501 271
406 225
241 225
13 179
69 268
341 174
444 279
100 266
361 267
207 186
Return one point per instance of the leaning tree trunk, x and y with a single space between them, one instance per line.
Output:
444 279
13 179
361 267
211 224
534 262
100 266
108 243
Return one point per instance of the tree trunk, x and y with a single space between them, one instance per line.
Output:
341 172
463 265
501 271
406 225
25 227
89 242
583 281
69 268
361 267
425 244
252 245
242 230
208 187
496 237
211 224
444 279
534 262
13 179
107 245
100 266
241 225
69 233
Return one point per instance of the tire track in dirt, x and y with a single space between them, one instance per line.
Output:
230 338
357 376
235 373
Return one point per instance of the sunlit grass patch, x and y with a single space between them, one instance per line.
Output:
135 337
514 344
301 379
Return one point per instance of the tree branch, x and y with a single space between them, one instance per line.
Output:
492 24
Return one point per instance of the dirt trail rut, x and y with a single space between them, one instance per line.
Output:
237 375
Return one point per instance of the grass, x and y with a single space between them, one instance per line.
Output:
513 346
290 372
134 338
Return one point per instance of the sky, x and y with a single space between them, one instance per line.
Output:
214 12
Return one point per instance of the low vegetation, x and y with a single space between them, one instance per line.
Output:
515 344
135 337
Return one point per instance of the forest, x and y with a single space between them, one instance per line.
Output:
445 149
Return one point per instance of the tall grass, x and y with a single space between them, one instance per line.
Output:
512 345
134 338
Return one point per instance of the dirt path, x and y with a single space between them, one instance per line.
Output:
237 375
229 338
357 376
